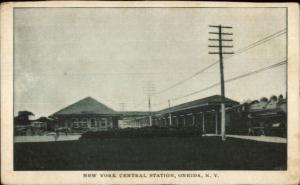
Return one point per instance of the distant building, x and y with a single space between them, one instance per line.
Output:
87 114
129 119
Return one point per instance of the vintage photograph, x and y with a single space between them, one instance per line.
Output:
149 93
150 88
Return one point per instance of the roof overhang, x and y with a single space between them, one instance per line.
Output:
202 107
89 114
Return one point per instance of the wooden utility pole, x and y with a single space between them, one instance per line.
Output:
149 89
170 115
149 108
216 117
203 123
122 106
220 40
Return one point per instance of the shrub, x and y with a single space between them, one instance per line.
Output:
143 132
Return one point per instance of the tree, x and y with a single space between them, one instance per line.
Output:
23 118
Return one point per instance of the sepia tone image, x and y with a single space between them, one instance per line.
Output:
150 88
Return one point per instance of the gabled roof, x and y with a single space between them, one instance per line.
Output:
211 100
87 105
134 113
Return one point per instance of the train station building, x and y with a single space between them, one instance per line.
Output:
90 115
203 113
87 114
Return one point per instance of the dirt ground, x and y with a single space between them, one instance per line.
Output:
189 153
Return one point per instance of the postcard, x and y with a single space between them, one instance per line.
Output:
149 92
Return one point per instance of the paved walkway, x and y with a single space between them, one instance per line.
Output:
45 138
62 137
269 139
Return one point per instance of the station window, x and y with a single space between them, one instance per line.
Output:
83 122
93 122
103 122
75 122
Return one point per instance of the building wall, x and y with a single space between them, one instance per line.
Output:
88 123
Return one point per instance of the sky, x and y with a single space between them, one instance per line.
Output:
62 55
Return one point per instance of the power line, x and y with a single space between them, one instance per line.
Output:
139 104
160 103
183 80
233 79
226 81
242 50
265 39
257 43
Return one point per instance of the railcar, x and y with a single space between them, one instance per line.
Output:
268 121
263 117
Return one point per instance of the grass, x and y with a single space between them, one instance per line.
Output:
189 153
